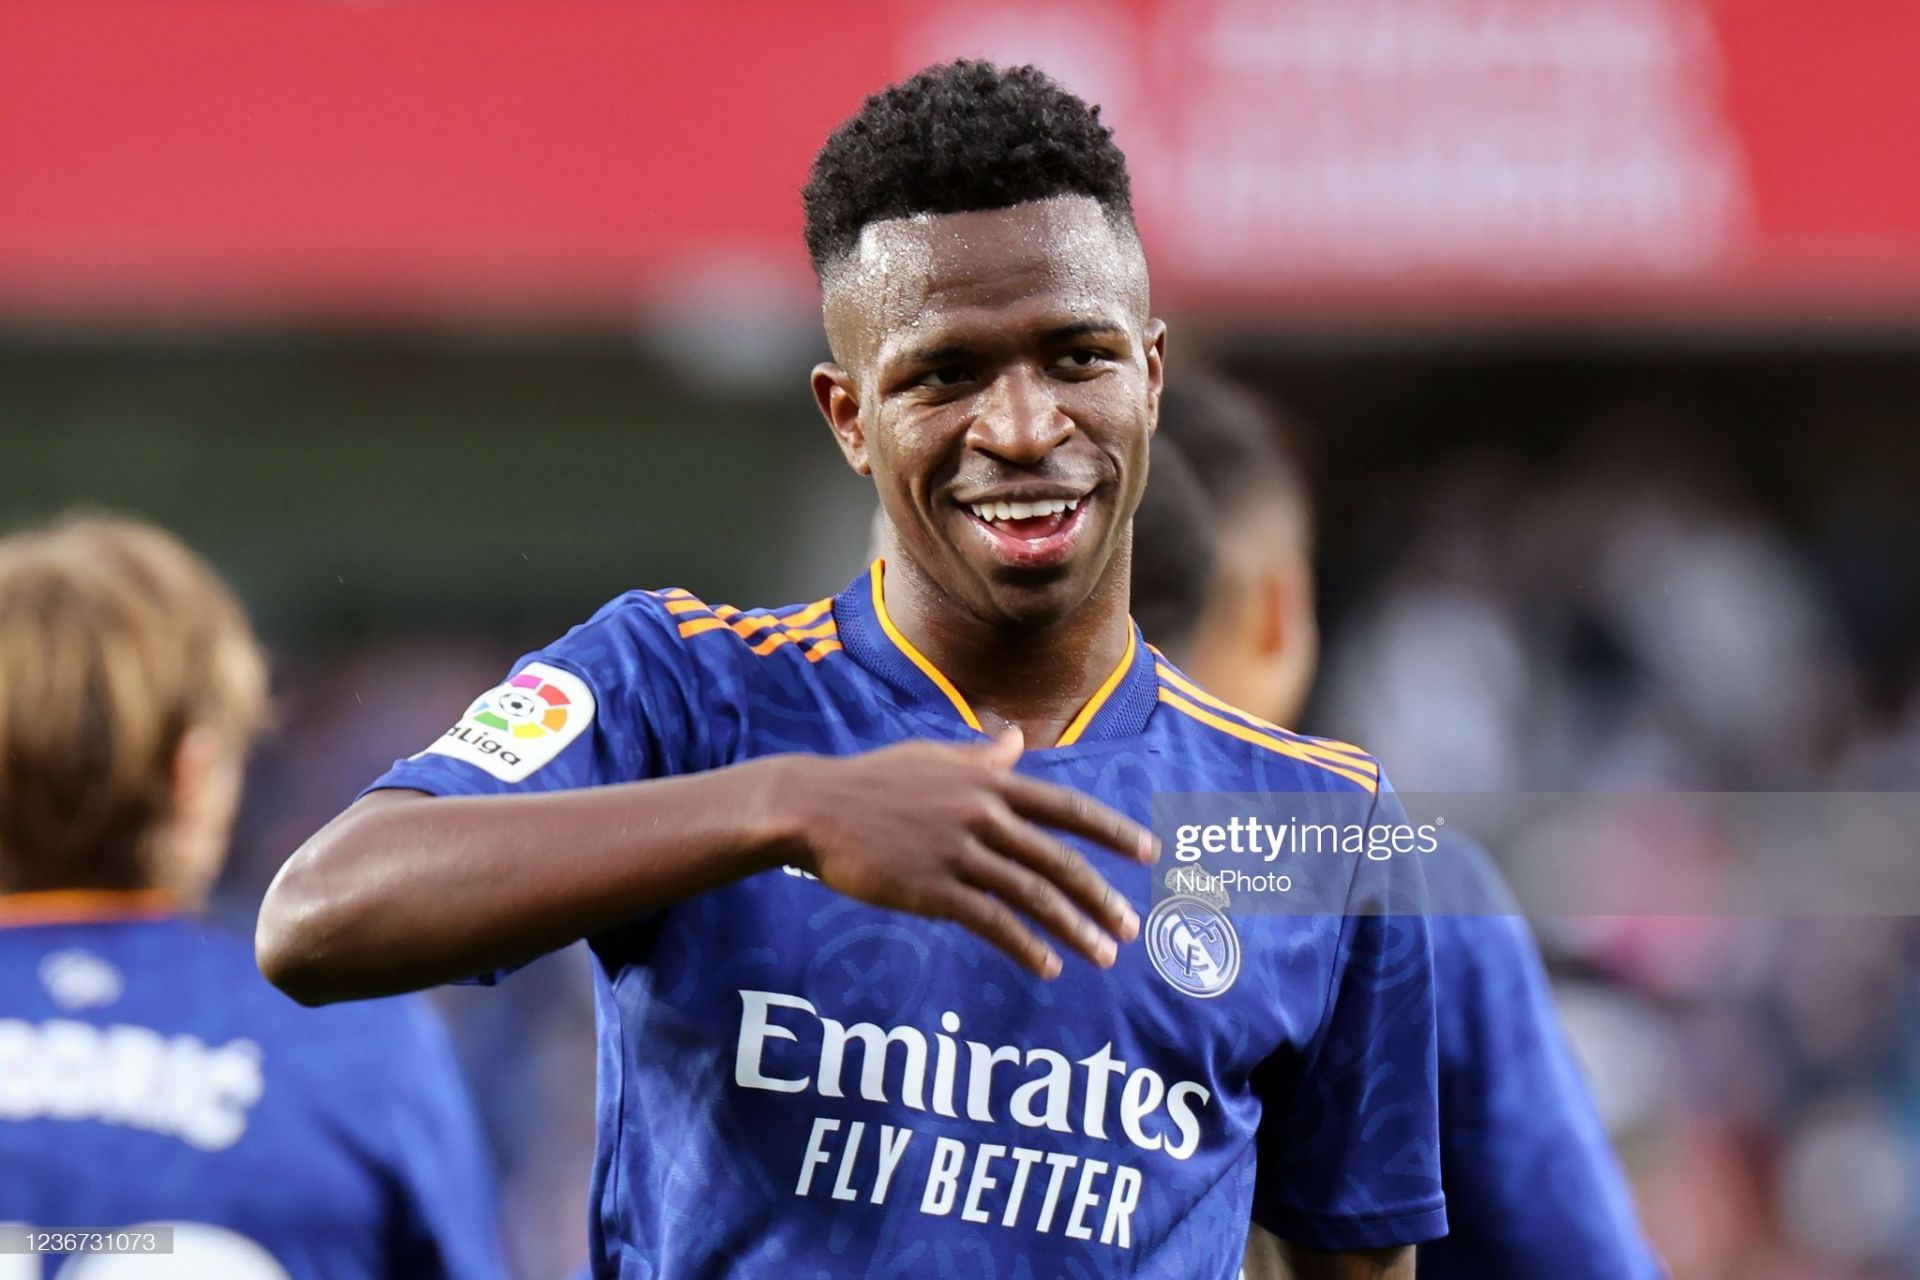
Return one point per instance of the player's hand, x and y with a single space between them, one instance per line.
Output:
953 833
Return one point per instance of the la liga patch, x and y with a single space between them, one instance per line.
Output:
515 728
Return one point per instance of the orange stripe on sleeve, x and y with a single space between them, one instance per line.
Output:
808 614
790 638
783 629
778 638
1280 746
746 627
827 628
1337 752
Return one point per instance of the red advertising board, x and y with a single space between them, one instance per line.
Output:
581 159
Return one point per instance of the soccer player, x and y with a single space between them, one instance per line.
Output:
148 1075
828 856
1532 1185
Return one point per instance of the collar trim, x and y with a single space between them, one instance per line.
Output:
83 906
1080 722
913 655
1118 708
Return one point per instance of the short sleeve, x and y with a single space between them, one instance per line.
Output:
1349 1140
616 699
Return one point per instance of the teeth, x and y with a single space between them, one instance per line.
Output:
1023 510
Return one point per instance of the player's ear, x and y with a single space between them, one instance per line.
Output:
835 391
1272 600
204 790
1286 617
1156 336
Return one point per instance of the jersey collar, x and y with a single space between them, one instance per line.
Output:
1118 708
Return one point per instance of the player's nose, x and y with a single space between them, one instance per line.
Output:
1018 419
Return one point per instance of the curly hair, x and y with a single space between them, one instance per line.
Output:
958 137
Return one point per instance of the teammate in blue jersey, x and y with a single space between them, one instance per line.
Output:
826 883
1533 1188
148 1075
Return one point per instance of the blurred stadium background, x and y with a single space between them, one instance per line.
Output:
437 323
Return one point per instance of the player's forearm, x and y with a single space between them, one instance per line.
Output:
1270 1258
403 892
1359 1264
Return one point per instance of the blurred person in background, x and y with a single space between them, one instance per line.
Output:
148 1074
1533 1187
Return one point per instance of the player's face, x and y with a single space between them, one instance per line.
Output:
1000 379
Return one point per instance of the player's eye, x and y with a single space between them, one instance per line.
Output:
1081 359
945 377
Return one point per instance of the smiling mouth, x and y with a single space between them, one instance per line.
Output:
1027 521
1035 534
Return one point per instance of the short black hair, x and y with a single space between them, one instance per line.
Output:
959 137
1174 549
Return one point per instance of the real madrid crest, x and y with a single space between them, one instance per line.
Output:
1193 945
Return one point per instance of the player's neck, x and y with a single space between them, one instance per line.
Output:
1036 677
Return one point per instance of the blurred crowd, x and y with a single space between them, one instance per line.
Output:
1622 616
1627 617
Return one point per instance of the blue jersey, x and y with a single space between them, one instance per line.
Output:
794 1084
150 1075
1532 1185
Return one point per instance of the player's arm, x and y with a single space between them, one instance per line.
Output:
404 891
1271 1258
1363 1264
